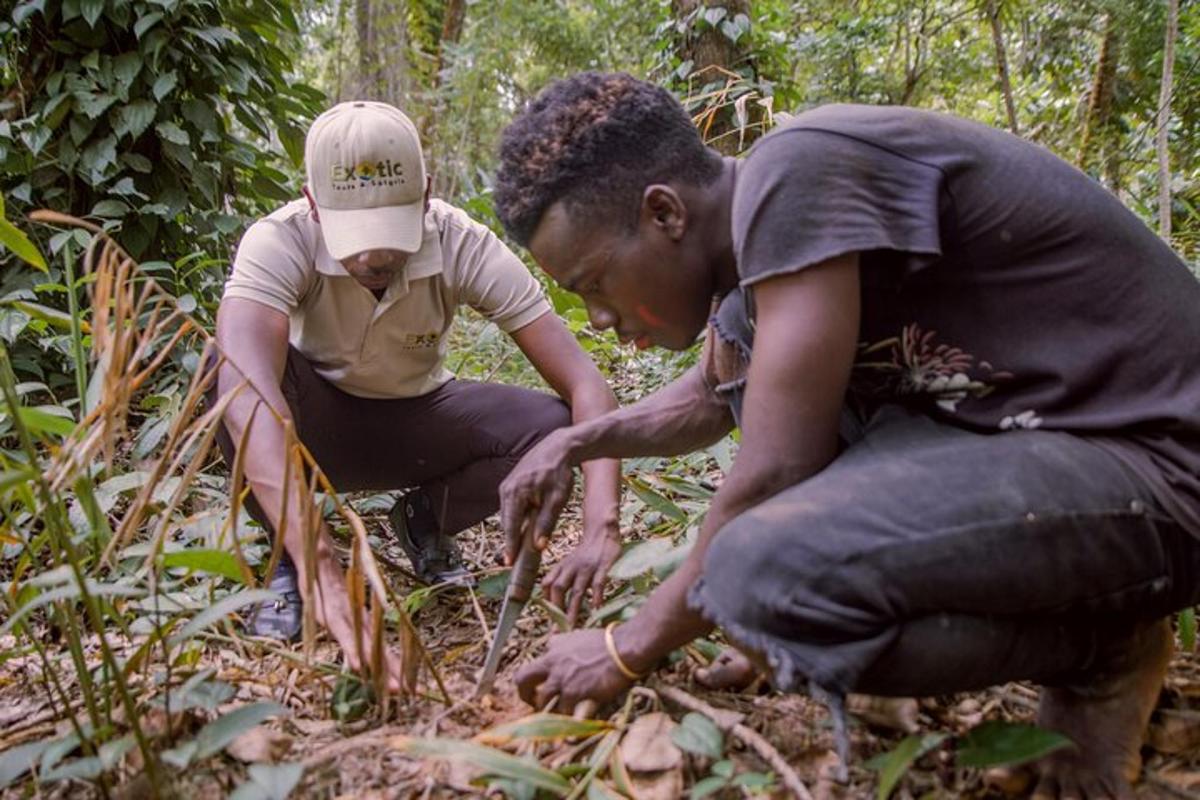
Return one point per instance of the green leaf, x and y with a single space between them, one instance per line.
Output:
93 104
723 769
15 240
164 84
219 610
997 743
40 420
893 764
16 761
214 736
12 322
1187 630
216 562
698 734
486 759
134 119
660 555
110 209
269 782
146 22
542 728
126 67
170 132
707 786
91 11
137 162
494 585
36 138
654 500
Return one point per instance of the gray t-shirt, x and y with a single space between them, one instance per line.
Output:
1002 288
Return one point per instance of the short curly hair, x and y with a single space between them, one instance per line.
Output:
596 140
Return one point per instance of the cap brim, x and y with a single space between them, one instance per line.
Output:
350 231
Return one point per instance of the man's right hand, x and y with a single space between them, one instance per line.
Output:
534 493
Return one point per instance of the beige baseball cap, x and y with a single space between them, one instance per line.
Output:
367 178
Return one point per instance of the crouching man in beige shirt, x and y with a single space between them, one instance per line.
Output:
337 310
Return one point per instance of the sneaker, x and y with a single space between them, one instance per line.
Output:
434 556
282 618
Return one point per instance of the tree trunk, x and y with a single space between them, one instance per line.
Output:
453 19
717 53
382 32
993 13
1100 99
1164 119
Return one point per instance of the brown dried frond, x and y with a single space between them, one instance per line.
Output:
136 326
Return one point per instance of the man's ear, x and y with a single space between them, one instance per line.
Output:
312 204
428 190
664 209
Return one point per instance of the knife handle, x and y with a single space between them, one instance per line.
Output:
524 574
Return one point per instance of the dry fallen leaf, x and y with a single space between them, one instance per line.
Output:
1174 731
647 746
260 744
893 713
665 785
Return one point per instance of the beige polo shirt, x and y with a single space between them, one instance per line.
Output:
396 346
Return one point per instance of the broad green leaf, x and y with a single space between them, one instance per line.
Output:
997 743
126 67
542 727
654 500
708 786
133 119
219 610
893 764
493 585
146 22
170 132
660 555
214 736
698 734
110 209
486 759
217 562
40 420
93 104
15 240
69 592
164 84
269 782
16 761
91 11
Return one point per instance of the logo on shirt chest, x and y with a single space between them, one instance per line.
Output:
420 341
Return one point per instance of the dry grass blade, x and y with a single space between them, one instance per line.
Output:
137 329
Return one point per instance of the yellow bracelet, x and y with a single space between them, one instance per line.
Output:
616 657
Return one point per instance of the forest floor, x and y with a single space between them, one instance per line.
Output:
360 760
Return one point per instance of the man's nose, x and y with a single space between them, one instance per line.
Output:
382 259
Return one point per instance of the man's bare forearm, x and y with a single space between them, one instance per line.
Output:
681 417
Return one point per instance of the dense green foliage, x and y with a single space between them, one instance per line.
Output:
154 117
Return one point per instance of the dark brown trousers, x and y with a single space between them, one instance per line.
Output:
457 443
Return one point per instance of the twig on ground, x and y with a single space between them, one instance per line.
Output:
371 738
487 634
1154 779
751 738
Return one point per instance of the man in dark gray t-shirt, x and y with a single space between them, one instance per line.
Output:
968 385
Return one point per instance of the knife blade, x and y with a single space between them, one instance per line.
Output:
516 594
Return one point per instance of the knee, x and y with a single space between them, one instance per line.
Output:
802 575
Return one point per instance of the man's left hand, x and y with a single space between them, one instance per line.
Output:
576 667
586 568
